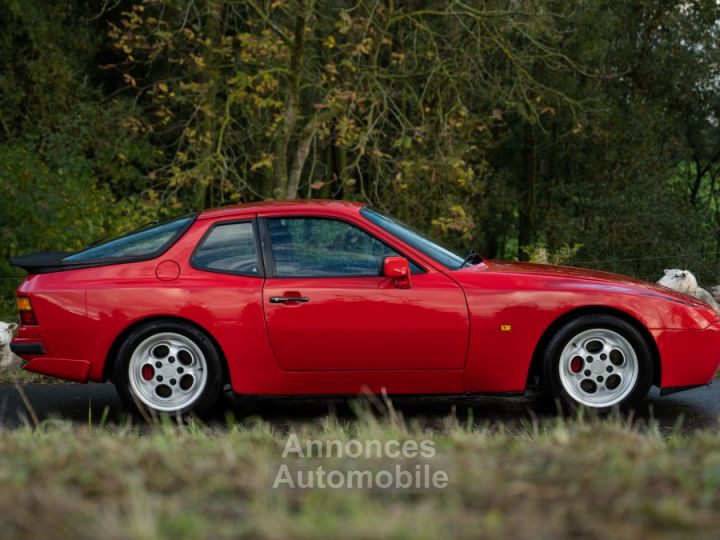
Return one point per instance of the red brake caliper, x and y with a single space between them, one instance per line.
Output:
147 372
576 364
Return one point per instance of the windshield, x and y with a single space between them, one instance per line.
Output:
146 242
430 248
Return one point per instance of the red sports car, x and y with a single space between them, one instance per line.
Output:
321 297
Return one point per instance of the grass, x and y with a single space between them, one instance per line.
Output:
557 479
15 374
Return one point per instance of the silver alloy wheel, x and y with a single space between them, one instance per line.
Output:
598 368
167 372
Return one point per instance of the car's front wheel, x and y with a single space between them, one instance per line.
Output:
168 367
598 362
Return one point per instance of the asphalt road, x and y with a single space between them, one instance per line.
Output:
690 410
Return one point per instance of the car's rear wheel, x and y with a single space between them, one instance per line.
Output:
598 362
168 367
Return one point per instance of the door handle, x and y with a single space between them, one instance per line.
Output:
286 299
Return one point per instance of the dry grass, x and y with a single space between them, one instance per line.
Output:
591 478
15 374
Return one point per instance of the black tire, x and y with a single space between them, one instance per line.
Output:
209 395
550 378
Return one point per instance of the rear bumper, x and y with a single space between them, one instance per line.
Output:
29 348
33 352
72 370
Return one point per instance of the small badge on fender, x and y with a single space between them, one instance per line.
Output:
505 327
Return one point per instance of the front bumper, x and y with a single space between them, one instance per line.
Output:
688 357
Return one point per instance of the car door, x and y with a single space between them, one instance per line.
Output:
328 308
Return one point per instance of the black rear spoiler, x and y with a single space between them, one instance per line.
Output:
46 261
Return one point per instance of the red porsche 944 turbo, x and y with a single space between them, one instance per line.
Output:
321 297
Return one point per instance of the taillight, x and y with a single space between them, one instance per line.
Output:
27 315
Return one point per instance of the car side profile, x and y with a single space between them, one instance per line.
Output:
335 298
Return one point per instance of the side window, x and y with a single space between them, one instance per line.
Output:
230 248
316 247
148 241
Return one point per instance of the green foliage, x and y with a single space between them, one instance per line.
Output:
495 125
539 254
68 173
49 208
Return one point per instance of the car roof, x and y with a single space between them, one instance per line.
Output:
251 208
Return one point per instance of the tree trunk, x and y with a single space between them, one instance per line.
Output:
527 209
203 192
301 155
281 174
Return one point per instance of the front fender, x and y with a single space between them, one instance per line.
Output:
509 319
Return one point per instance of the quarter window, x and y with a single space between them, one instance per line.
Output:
230 248
317 247
147 242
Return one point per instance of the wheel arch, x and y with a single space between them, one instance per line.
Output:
111 356
536 362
